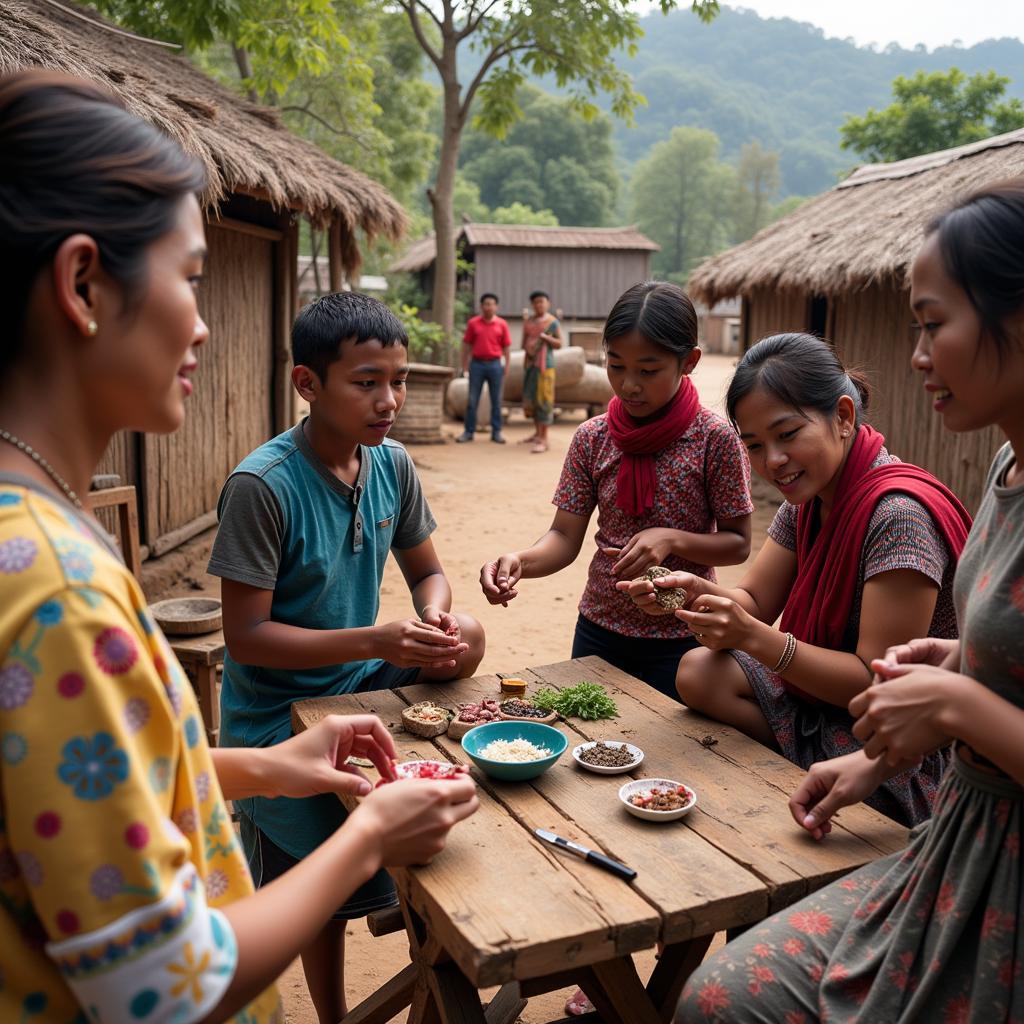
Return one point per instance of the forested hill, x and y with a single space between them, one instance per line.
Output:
779 82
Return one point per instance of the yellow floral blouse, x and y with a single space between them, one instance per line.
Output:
115 842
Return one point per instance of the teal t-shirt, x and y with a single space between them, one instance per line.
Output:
288 524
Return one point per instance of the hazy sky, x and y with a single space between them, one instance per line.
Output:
907 22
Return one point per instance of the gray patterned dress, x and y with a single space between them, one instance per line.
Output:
901 535
935 933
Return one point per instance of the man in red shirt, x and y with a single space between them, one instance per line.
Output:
485 351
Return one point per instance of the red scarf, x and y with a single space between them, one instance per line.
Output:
828 564
639 442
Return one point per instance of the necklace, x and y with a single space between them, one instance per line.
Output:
7 436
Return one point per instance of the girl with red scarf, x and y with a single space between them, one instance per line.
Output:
669 479
860 558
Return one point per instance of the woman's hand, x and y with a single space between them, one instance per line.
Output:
901 717
498 579
928 650
410 819
642 592
718 623
642 550
831 785
314 761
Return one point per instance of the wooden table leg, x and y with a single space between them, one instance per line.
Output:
209 705
675 965
389 1000
618 994
506 1005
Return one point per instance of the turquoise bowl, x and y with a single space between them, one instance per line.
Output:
514 771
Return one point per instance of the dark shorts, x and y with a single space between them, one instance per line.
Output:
653 660
268 861
388 677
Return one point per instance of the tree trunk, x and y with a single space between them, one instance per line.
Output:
443 196
244 65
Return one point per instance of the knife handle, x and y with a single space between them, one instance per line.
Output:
626 874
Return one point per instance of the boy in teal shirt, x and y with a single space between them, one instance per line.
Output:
306 524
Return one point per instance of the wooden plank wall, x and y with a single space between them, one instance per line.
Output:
231 410
872 330
581 282
773 312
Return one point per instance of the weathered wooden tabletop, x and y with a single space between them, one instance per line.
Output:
507 908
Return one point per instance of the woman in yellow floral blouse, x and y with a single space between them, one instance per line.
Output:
123 893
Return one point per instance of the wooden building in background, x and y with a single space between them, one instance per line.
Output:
584 270
838 266
262 179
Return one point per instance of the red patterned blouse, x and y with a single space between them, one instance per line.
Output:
702 477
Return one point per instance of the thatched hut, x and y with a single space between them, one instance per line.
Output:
838 266
262 180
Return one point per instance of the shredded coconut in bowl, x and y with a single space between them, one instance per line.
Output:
513 750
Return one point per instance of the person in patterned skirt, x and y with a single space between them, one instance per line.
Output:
124 894
936 932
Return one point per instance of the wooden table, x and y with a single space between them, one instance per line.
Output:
201 656
498 907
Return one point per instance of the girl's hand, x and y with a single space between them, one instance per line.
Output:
718 623
901 717
314 761
409 821
830 785
442 620
641 551
498 579
642 592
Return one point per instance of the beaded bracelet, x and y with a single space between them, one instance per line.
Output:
788 652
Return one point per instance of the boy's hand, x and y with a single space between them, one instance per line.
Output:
444 621
411 819
498 579
410 643
642 550
314 761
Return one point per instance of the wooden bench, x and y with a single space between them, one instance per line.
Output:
201 657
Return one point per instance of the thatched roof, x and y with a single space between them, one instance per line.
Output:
866 229
422 253
244 148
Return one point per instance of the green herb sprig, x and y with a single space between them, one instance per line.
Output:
584 700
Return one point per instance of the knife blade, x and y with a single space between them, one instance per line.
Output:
614 866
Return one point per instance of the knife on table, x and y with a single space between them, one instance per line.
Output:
625 873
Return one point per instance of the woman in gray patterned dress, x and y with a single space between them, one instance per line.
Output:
883 534
935 933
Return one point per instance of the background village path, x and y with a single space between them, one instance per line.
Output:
489 499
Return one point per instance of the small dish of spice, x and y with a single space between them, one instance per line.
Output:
521 710
657 799
607 757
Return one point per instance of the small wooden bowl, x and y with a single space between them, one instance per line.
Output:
188 615
427 730
457 729
546 720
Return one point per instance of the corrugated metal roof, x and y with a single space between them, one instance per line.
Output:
421 254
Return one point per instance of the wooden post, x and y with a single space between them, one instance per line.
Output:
285 308
334 264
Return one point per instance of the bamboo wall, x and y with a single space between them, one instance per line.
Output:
871 330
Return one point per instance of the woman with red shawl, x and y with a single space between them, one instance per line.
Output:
860 558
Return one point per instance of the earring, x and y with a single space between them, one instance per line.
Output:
91 328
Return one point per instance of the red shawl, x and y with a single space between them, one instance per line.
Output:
828 564
639 442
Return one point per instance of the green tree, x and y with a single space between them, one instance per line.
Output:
573 41
757 185
682 199
933 111
552 158
518 213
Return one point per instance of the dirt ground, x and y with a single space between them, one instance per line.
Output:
487 499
